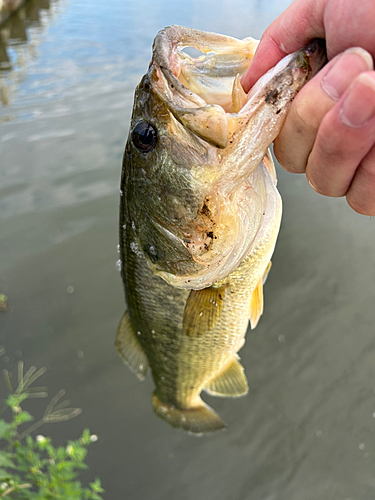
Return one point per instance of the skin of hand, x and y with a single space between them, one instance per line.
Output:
329 133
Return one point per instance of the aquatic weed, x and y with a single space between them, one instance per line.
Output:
32 468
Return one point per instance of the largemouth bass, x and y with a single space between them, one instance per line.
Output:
199 215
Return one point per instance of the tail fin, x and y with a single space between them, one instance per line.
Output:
198 419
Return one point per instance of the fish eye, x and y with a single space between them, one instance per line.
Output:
144 136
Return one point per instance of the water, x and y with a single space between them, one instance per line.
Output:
68 69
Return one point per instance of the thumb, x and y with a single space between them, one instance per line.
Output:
292 30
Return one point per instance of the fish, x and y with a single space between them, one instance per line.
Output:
200 214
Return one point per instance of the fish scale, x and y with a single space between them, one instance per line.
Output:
200 215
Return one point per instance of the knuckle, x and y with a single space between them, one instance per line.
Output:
282 156
304 116
332 145
340 144
328 149
288 156
306 112
297 137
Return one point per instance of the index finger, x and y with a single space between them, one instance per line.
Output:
293 29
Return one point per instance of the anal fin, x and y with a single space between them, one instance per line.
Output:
129 347
230 382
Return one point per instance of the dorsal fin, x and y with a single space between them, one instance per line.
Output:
130 349
230 382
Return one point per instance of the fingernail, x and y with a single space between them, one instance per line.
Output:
359 105
347 66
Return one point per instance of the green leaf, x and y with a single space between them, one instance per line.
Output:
86 437
5 459
14 400
23 417
4 475
39 471
97 486
94 496
4 427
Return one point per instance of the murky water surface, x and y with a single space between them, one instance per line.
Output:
68 69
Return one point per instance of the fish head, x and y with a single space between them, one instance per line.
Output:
174 138
163 195
193 192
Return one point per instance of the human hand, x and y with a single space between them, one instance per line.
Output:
329 132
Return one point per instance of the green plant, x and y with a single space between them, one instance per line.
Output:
32 468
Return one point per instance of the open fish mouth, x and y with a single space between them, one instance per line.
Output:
207 108
198 91
204 93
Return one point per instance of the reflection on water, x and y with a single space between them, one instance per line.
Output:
19 40
307 428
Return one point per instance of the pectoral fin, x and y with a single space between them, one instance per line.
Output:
257 301
130 349
231 382
203 309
